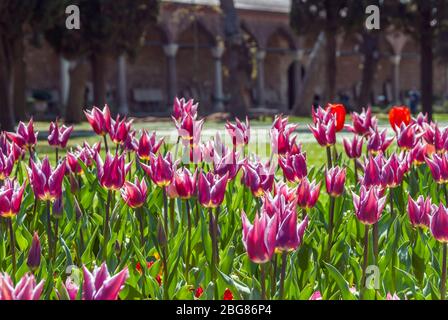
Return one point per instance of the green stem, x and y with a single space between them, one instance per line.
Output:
263 281
330 226
106 147
57 156
446 194
283 273
187 260
356 172
56 236
366 257
49 237
375 237
106 223
165 211
391 201
139 212
329 162
443 280
13 248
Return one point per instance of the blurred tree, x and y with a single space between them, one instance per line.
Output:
425 20
308 17
109 28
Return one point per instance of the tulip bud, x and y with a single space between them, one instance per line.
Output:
117 247
78 210
335 180
33 261
74 186
58 208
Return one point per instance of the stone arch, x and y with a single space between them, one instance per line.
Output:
284 33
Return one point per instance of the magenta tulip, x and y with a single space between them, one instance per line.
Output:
112 172
363 122
378 142
373 170
46 182
307 193
294 166
160 169
134 194
259 239
258 177
335 179
439 223
185 183
100 121
26 288
120 130
369 205
239 132
58 136
407 136
11 194
419 211
6 165
181 108
211 189
147 145
280 133
325 133
438 165
353 148
393 171
290 233
25 136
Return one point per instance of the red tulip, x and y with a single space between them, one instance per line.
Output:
399 115
58 137
112 172
11 194
134 194
338 110
147 145
100 121
46 182
228 294
185 183
160 169
25 136
198 293
211 189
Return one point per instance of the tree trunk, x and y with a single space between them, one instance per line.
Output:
369 49
19 90
331 65
75 101
426 56
235 65
98 63
6 115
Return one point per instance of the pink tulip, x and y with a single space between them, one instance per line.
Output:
294 166
100 121
307 193
160 169
98 285
134 194
26 289
439 223
120 130
316 296
282 188
226 163
373 171
258 177
112 172
211 189
393 171
392 297
418 154
335 179
369 205
439 167
185 183
46 182
259 239
419 211
407 136
58 137
6 165
280 133
363 122
239 132
378 141
353 148
25 136
130 144
11 194
181 108
189 129
147 145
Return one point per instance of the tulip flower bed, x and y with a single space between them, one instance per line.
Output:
134 216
